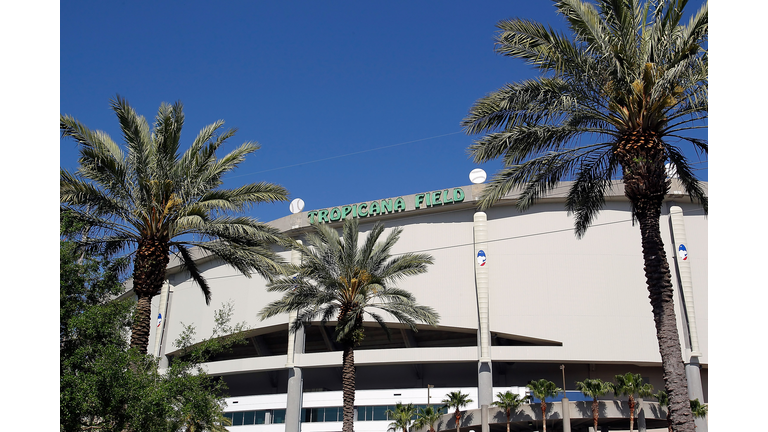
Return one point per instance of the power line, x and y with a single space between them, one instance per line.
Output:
349 154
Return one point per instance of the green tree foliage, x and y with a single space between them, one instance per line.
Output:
427 416
630 385
543 389
148 199
107 386
402 417
616 98
594 388
342 279
457 400
698 409
509 402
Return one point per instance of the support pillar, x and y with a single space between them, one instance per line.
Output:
566 414
640 415
683 263
295 388
295 380
695 390
484 375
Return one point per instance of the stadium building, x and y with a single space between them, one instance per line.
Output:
520 298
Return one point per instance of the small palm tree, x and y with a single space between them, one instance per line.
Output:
698 409
427 417
543 389
457 400
630 385
402 417
337 279
594 388
663 399
509 402
149 201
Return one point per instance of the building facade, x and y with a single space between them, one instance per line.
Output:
518 295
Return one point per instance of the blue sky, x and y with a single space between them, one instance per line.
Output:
350 101
351 77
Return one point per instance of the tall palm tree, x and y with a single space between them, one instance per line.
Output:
509 402
149 200
543 389
402 417
594 388
457 400
630 385
337 279
427 416
616 97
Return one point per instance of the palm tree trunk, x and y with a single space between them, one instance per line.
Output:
631 413
457 416
660 290
543 415
508 419
642 158
595 412
149 267
348 386
141 323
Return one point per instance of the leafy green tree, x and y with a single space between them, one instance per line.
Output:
617 96
427 416
402 417
543 389
630 385
698 409
149 200
509 402
107 386
456 400
594 388
343 279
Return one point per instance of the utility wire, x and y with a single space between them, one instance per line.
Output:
348 154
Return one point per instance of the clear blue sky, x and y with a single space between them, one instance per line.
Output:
350 101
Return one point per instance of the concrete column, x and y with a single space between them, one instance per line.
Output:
295 380
484 376
695 391
683 262
163 310
640 415
566 415
484 426
295 389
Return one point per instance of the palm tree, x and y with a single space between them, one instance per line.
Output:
663 399
509 402
698 409
336 279
427 417
457 400
402 416
150 200
594 388
543 389
630 385
615 98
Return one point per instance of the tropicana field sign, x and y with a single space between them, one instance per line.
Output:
386 206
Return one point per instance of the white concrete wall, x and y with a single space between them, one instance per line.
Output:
588 294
